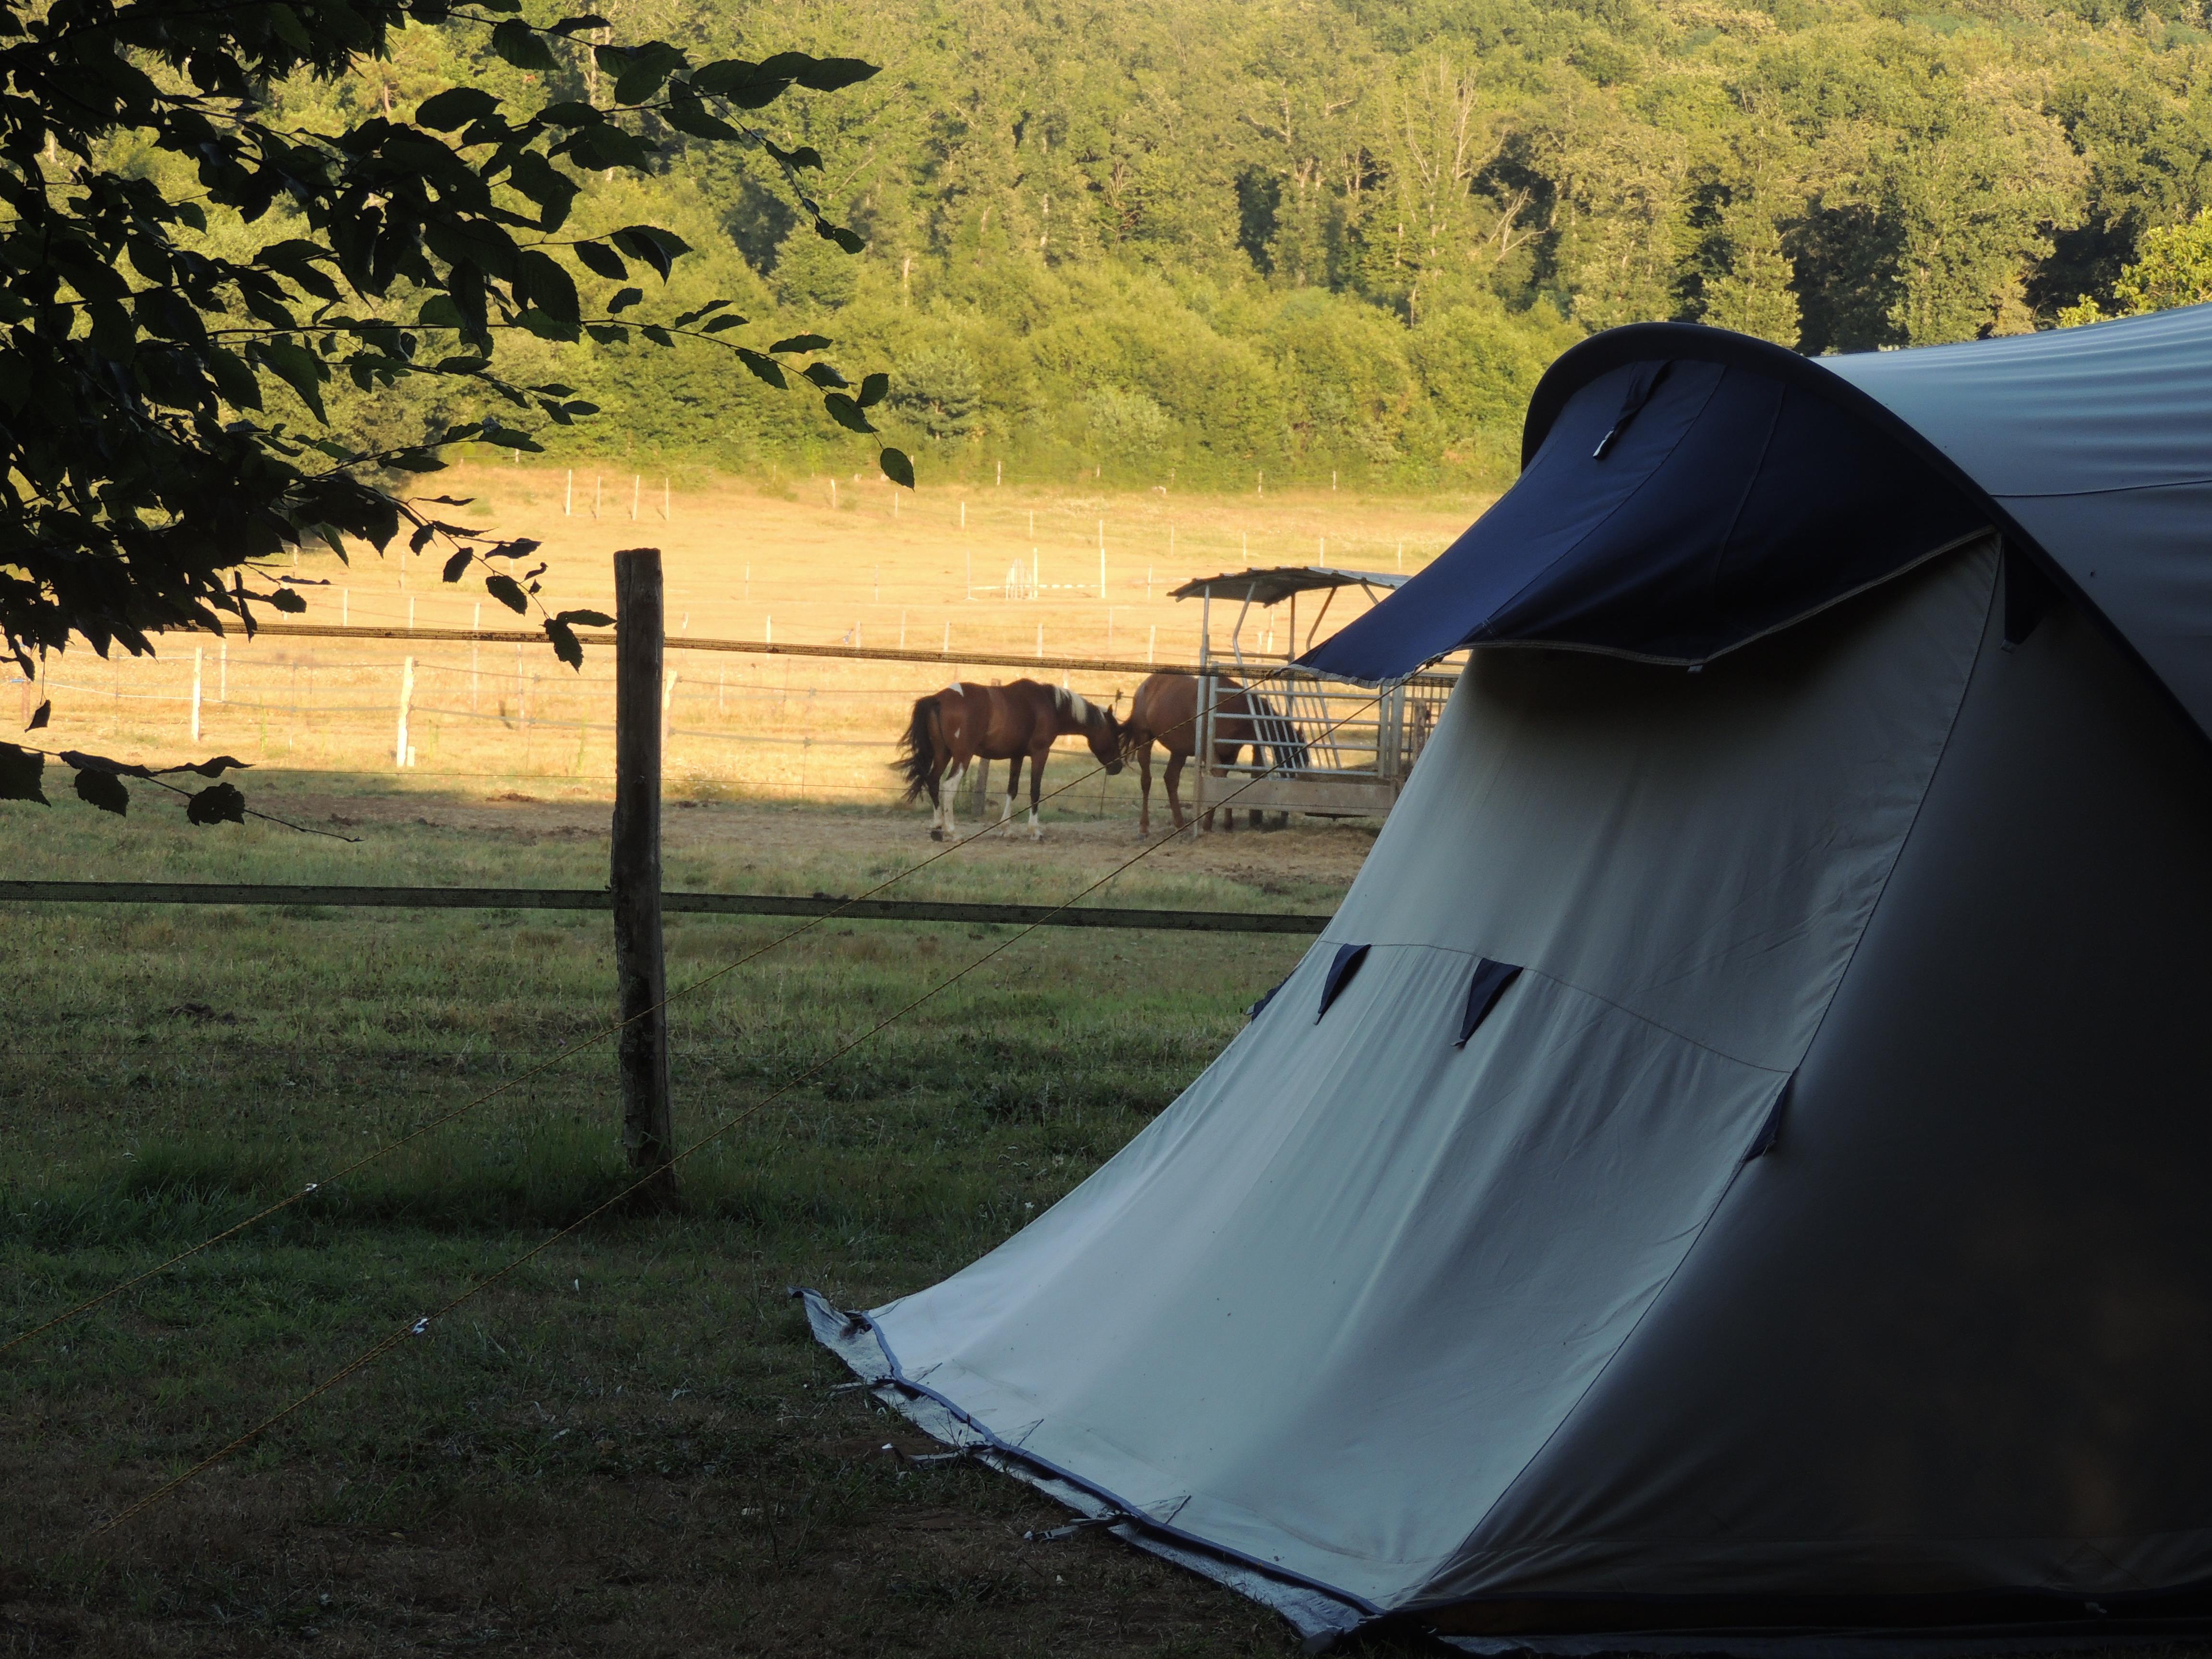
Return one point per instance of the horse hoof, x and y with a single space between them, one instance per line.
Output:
937 835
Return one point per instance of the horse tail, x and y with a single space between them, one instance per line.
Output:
918 748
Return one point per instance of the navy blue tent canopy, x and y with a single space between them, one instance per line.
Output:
1685 490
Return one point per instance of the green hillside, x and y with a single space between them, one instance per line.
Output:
1224 236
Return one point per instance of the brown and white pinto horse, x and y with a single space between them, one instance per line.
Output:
1165 711
965 722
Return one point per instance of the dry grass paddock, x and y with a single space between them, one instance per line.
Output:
927 569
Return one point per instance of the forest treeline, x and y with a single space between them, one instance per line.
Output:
1219 237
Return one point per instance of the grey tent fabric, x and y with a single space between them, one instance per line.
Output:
1806 1254
1328 1309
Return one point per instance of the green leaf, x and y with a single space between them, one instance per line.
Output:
624 300
689 118
439 311
507 591
233 378
289 602
820 74
659 336
897 467
541 281
823 375
456 564
847 413
586 618
18 773
659 248
872 390
602 261
849 241
577 25
715 325
104 790
650 65
518 42
803 343
297 366
566 646
455 108
765 369
219 803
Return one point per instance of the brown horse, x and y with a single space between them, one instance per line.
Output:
1165 711
965 722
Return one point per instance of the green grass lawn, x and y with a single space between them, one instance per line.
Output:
630 1445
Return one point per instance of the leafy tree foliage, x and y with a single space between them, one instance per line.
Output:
202 253
1213 236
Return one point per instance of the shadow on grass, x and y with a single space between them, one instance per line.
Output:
174 1193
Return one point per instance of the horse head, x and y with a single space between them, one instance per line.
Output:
1108 740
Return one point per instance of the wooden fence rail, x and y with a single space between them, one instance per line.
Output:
590 898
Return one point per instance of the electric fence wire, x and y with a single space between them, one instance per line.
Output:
421 1326
310 1188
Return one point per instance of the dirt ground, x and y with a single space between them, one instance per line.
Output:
1312 854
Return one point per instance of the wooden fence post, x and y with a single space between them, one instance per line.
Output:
640 972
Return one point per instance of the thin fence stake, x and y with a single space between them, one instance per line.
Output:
197 653
406 696
345 607
667 512
963 515
223 673
595 495
636 482
902 630
569 498
1150 643
667 703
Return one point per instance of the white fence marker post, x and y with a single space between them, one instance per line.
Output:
196 693
568 494
667 703
406 696
636 482
1150 643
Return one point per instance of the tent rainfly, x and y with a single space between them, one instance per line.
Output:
1732 1176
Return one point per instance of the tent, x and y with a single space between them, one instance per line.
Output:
1732 1177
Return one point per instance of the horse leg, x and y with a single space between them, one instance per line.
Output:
1175 776
1036 788
952 776
1145 792
1013 787
936 804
